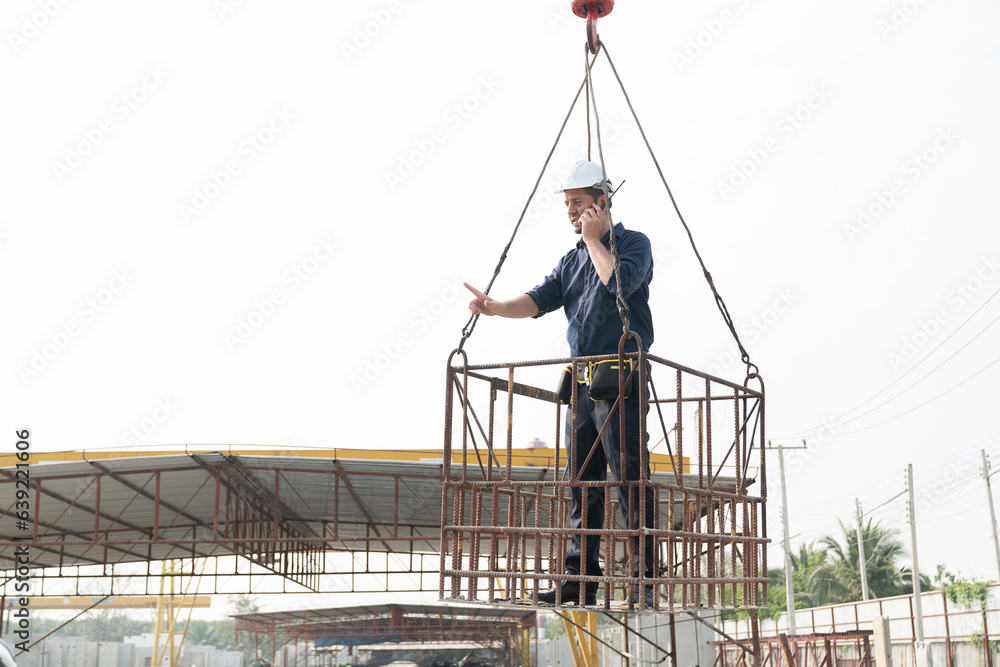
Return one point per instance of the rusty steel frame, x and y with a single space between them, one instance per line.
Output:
493 629
709 540
236 509
821 650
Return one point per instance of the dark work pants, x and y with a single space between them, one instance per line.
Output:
590 418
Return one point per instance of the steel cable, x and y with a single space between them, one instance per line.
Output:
744 355
619 298
471 324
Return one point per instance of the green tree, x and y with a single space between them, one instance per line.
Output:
838 578
205 633
246 643
107 626
243 604
972 595
804 563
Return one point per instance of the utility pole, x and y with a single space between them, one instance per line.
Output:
993 515
789 593
789 584
862 560
913 546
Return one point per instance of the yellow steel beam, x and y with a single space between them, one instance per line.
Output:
526 646
168 615
584 646
592 624
571 635
539 458
128 602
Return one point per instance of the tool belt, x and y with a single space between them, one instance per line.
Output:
603 380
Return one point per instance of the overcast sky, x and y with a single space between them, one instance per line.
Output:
247 222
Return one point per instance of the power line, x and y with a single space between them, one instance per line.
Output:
917 407
952 516
895 518
886 502
872 493
928 374
956 498
966 456
816 429
971 451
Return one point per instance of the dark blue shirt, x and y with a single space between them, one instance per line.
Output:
594 324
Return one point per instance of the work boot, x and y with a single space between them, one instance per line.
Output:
646 596
571 594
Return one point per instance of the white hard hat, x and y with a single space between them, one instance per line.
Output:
584 174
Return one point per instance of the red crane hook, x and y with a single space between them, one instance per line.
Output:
592 10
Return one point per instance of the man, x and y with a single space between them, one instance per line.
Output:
583 284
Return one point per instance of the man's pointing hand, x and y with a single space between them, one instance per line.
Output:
520 306
482 304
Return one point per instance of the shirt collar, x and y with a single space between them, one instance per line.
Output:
619 230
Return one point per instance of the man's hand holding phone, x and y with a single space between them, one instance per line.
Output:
593 223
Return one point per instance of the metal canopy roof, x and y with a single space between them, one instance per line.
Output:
374 624
267 509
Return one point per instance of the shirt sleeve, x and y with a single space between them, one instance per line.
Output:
548 296
635 259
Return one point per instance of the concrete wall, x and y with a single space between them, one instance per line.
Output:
899 610
693 647
81 652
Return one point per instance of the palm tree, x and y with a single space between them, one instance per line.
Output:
803 563
838 579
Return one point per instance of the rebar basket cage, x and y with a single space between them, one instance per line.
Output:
504 527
